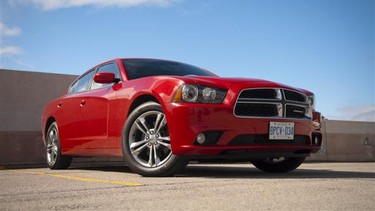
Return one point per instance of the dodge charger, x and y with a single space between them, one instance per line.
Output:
158 115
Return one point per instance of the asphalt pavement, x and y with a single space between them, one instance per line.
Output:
314 186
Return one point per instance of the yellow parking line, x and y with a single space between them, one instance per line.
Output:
84 179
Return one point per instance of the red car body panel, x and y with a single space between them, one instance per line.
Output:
91 123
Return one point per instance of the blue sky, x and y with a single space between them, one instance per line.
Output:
326 46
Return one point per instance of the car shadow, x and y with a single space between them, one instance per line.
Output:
243 172
252 172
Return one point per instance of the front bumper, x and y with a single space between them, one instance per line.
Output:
233 137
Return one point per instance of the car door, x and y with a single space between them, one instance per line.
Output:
68 116
94 111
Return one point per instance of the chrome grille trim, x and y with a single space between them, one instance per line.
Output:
288 104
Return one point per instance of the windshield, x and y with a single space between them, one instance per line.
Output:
138 68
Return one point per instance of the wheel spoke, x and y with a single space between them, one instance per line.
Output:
165 145
139 150
156 158
164 138
159 123
150 156
136 144
49 148
51 135
165 141
52 146
140 128
51 158
144 123
54 150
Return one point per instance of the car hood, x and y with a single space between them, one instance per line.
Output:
227 83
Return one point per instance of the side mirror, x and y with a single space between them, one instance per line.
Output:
105 78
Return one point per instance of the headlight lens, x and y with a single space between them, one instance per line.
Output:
208 94
190 93
199 94
312 101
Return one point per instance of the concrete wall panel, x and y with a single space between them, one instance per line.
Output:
23 96
347 141
21 147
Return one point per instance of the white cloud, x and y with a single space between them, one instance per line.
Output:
6 31
355 113
366 114
9 32
57 4
10 51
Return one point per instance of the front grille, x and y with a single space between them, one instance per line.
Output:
271 102
293 111
259 94
257 110
248 139
294 96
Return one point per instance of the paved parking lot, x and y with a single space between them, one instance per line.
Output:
314 186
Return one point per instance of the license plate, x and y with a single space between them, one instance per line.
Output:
281 131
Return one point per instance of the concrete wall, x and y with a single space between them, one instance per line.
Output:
24 94
22 98
347 141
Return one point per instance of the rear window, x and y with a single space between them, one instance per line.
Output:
139 68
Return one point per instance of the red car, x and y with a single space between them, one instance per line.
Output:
158 115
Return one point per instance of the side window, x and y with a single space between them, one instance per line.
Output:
109 68
82 83
71 88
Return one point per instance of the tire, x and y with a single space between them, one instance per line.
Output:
55 160
278 165
146 143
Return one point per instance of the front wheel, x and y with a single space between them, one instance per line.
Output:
146 143
278 165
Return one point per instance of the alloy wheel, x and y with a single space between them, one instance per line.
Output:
52 146
149 140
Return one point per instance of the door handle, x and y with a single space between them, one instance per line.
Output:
83 102
59 105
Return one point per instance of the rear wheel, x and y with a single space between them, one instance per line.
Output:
278 165
55 159
146 142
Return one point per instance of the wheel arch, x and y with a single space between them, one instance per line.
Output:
139 100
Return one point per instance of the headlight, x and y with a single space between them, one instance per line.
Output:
199 94
311 99
190 93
